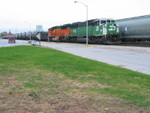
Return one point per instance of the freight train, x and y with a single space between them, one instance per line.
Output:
99 31
105 31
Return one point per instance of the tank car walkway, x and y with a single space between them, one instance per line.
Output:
133 58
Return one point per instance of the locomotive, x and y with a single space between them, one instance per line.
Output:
99 31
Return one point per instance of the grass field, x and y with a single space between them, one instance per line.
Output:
50 81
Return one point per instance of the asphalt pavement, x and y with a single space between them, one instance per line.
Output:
133 58
4 43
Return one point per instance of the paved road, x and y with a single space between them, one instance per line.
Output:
4 43
134 58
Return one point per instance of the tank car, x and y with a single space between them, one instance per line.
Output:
28 35
42 35
33 35
135 28
18 36
24 36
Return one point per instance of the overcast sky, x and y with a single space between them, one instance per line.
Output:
19 15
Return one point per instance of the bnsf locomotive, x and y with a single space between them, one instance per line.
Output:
99 31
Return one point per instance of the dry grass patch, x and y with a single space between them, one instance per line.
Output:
43 80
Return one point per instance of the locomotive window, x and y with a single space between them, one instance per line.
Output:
65 26
82 24
74 26
112 21
53 28
90 22
96 23
103 22
108 21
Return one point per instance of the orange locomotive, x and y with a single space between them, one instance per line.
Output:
59 33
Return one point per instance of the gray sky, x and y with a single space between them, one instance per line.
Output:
19 15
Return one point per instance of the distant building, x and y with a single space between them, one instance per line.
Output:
39 28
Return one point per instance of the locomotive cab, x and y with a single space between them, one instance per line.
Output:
110 31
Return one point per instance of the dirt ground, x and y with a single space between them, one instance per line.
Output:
57 100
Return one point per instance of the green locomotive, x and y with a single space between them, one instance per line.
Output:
99 31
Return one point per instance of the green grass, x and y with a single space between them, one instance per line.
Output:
28 60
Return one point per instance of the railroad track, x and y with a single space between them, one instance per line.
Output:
139 44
